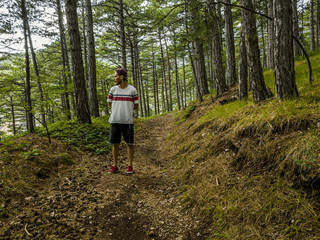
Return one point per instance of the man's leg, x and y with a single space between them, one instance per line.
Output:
115 152
130 154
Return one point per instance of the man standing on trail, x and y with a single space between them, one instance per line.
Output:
123 99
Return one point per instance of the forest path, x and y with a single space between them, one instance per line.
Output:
87 202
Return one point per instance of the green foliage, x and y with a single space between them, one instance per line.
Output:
187 113
88 137
31 154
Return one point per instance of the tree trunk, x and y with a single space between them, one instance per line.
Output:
198 53
215 33
259 89
270 54
230 49
92 72
243 68
28 105
165 101
84 38
64 58
82 106
312 42
283 54
122 36
318 23
192 61
176 69
296 48
36 69
169 77
13 117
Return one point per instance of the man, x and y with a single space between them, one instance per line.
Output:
123 99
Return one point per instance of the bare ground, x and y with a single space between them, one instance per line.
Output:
86 202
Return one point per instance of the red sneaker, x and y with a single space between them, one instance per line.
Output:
130 170
114 169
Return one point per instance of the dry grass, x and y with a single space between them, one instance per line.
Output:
250 175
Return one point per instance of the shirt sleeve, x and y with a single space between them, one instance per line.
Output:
135 96
110 95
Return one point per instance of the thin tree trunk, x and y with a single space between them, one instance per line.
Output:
243 68
164 80
28 106
36 69
312 42
83 112
64 57
92 72
84 38
122 36
270 47
169 77
296 48
176 69
230 49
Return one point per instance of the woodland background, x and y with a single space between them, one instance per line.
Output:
174 51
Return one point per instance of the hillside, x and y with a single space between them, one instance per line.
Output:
220 169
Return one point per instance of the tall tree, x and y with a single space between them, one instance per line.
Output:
295 22
215 34
311 26
230 49
122 36
92 72
270 55
28 105
198 52
243 68
283 54
256 79
82 106
65 62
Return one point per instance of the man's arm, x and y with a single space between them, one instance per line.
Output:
109 104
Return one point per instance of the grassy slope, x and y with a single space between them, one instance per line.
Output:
252 171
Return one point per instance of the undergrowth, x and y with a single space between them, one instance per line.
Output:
252 171
88 137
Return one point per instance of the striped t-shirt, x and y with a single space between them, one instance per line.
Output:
123 101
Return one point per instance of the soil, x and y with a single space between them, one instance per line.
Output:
86 202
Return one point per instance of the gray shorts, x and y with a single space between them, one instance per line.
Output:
118 130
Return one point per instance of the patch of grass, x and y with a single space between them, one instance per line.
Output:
88 137
187 113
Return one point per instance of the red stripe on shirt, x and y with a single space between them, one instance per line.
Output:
129 99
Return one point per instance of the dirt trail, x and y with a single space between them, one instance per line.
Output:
86 202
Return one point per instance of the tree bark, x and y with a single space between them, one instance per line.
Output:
28 105
230 49
243 68
219 73
296 48
270 47
198 53
283 54
122 36
92 72
169 77
258 86
311 26
36 69
82 106
64 58
176 69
